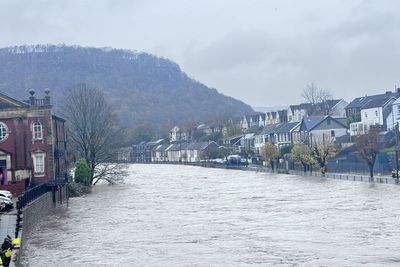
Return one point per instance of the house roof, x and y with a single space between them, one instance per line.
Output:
312 122
287 127
271 128
378 102
159 141
360 102
234 137
9 102
199 145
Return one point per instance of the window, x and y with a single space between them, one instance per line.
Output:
398 109
3 132
333 133
376 113
37 131
38 163
366 116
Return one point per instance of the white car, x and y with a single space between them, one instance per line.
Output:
6 193
6 203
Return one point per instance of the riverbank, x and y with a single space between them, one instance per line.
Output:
258 168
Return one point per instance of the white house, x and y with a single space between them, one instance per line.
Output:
394 116
377 111
320 127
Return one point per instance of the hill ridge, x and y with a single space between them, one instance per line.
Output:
144 88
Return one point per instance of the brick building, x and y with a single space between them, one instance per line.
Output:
32 143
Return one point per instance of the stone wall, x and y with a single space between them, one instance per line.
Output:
37 211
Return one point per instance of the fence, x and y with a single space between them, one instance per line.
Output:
31 195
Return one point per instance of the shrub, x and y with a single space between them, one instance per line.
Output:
82 173
77 190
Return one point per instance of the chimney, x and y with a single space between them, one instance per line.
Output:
388 92
32 98
47 96
398 91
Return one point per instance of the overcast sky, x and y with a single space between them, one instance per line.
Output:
263 52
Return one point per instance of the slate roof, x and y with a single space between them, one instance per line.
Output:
313 121
199 145
271 128
377 102
287 127
360 102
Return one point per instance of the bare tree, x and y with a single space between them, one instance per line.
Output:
313 95
322 149
94 131
368 148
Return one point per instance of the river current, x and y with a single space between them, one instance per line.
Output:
168 215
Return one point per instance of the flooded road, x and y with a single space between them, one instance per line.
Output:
167 215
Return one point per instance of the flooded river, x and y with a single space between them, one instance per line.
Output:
167 215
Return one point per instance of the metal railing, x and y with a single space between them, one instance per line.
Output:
31 195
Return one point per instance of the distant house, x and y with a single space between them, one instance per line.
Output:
375 111
332 107
232 126
267 135
196 152
252 120
247 142
124 154
177 134
32 143
296 113
284 134
320 127
160 154
336 108
143 152
353 109
233 140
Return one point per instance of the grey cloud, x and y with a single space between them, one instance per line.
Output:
234 50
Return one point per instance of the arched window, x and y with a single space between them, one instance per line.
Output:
3 132
37 131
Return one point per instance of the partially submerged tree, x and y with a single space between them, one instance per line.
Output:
302 153
322 148
94 131
269 153
368 148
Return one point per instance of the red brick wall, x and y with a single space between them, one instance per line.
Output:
16 189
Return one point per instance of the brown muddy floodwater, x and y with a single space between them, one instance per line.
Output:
167 215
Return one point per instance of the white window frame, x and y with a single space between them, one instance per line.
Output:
37 130
39 163
3 132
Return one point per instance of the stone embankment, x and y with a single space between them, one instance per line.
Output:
23 219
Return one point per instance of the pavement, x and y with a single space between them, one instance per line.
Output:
8 220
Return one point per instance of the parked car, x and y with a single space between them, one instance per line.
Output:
6 193
6 203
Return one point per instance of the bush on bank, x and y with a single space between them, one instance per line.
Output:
83 173
78 189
